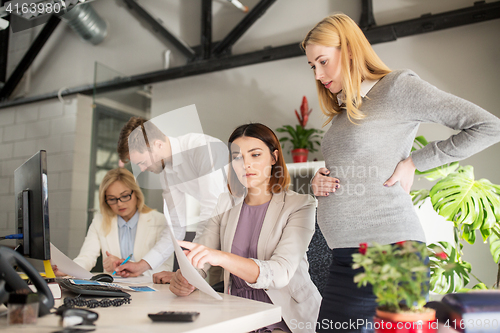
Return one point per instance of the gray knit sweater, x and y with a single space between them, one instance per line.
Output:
364 156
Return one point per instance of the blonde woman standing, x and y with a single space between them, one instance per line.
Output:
124 226
363 191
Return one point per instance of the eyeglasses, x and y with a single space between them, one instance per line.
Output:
123 198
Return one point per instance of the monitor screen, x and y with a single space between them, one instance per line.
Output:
32 207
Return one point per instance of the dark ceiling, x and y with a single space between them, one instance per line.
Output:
212 56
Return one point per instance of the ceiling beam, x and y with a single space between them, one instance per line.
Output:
206 28
4 50
159 28
190 69
478 13
224 47
367 19
28 57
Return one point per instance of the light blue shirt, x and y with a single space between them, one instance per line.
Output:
127 232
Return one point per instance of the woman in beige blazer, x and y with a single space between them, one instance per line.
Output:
260 233
121 203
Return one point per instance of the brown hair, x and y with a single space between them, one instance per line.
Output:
136 135
127 178
280 178
358 62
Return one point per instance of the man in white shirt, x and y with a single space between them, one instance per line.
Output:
192 164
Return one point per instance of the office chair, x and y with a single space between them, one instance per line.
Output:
189 238
319 256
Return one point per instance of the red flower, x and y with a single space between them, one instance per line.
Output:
401 243
442 255
304 112
362 248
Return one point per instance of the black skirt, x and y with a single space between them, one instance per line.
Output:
345 307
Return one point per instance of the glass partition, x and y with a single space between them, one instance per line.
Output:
111 110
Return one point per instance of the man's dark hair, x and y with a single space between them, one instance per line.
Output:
136 135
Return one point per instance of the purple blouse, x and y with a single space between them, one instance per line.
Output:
245 242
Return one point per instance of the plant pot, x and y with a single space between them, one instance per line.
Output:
389 322
299 155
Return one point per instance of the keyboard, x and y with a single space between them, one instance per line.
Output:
92 290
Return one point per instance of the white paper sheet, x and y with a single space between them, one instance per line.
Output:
188 270
66 265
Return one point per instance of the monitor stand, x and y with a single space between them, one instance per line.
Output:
49 273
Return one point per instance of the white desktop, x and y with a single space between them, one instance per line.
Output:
231 314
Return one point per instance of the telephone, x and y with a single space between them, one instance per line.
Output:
10 280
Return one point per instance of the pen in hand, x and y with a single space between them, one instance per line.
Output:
124 262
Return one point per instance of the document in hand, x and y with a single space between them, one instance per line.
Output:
66 265
188 270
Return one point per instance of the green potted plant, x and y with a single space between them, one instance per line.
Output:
399 275
303 140
472 205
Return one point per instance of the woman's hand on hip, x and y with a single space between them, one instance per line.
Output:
404 174
322 184
179 285
199 255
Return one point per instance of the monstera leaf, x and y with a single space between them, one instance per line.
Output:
450 274
495 244
419 142
470 204
480 286
439 172
435 173
418 197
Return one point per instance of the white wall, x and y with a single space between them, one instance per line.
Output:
64 133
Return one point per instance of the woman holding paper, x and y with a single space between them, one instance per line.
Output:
260 233
124 227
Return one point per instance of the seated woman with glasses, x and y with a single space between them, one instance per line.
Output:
125 225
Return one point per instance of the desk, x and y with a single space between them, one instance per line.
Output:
232 314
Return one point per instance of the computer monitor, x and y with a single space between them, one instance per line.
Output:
32 207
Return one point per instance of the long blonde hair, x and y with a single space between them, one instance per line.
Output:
127 178
357 59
